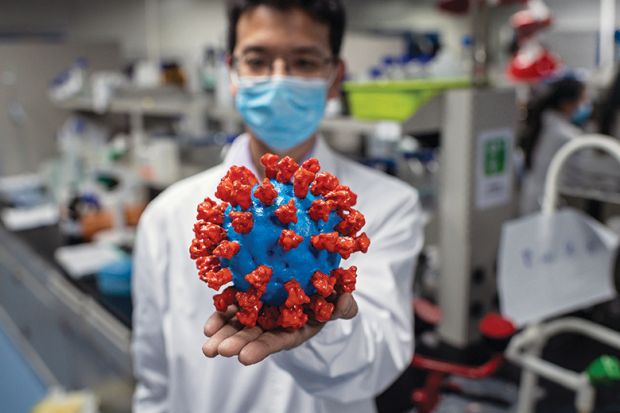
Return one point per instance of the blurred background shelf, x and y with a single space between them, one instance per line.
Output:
160 103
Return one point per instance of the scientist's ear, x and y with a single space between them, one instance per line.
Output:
340 68
231 82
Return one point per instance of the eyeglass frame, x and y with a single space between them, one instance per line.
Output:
326 62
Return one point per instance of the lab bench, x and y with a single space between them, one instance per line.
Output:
81 336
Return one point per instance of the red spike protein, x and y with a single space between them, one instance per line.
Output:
279 242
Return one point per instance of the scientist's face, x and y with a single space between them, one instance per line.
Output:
273 42
570 107
283 72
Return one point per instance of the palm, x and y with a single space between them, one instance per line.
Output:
228 338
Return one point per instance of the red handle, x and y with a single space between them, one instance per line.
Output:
472 372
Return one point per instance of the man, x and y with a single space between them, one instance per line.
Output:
284 64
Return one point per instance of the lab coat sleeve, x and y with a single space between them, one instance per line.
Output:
356 359
148 347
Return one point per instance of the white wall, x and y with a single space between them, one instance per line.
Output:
577 15
120 20
186 26
34 15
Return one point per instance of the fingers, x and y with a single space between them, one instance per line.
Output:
217 320
228 337
232 345
210 348
268 343
273 342
346 307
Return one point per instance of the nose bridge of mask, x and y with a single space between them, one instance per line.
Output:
282 92
295 99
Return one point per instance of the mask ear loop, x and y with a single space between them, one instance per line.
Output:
332 77
234 77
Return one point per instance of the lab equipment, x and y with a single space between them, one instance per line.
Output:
395 100
475 198
104 86
27 204
147 74
280 242
475 195
420 168
159 162
17 219
69 82
115 278
526 348
208 70
383 142
496 330
85 259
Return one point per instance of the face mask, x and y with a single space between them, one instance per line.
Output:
582 114
282 111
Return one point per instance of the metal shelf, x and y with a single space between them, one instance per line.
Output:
179 104
176 105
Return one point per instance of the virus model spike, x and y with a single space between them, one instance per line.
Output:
265 192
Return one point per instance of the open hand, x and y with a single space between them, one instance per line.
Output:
228 338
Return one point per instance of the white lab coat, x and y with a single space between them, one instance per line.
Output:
556 132
339 370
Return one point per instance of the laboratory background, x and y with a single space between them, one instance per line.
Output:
502 114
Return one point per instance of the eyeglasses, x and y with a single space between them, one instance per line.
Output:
261 64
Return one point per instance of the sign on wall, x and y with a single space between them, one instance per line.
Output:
493 172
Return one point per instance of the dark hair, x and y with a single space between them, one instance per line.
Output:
330 12
556 95
609 107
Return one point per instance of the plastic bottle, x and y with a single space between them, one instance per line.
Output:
222 88
467 50
69 82
405 61
208 70
375 73
69 147
617 45
383 142
424 61
389 67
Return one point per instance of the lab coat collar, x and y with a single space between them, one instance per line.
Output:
239 154
551 116
553 120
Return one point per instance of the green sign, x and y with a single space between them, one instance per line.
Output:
495 157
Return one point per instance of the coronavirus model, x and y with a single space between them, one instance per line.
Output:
279 242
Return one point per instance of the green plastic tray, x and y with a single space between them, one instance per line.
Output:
395 100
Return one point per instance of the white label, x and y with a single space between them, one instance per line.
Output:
551 264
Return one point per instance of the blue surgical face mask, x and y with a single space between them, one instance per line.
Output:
582 114
281 111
